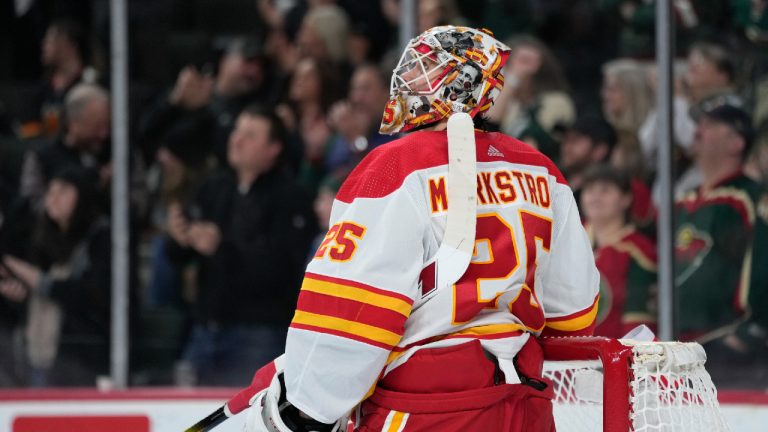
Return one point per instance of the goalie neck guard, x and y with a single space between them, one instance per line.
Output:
443 70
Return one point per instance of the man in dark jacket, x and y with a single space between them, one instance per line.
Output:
248 229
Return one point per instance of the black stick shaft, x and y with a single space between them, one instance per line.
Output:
210 422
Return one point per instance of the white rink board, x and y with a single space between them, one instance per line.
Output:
170 415
740 418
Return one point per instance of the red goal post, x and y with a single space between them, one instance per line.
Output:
620 386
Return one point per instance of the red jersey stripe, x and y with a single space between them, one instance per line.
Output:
343 334
351 310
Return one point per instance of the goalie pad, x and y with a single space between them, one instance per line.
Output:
271 412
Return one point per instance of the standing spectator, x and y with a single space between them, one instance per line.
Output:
591 141
711 71
65 282
625 258
322 207
313 89
181 167
83 143
682 127
588 142
249 230
535 93
756 166
721 238
356 120
627 99
211 103
323 34
434 13
65 56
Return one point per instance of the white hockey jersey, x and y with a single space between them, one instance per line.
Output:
368 299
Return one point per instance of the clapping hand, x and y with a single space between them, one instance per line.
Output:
192 90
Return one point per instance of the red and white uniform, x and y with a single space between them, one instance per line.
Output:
368 302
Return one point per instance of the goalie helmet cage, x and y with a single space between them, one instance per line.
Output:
620 386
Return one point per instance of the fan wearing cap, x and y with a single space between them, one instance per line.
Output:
720 238
378 330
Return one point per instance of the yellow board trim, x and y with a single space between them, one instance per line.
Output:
357 294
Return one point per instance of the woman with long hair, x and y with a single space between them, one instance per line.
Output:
65 282
627 99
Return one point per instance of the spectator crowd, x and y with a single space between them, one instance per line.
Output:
247 115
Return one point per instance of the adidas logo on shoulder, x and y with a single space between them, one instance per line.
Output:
493 151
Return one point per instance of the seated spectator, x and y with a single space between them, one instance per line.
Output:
248 229
625 258
64 281
83 144
721 241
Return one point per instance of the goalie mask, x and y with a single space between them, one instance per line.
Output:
444 70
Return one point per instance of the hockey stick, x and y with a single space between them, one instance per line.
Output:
455 252
210 422
242 400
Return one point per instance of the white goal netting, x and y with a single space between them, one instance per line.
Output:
668 390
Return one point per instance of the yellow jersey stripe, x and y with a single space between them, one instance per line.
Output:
346 326
576 323
357 294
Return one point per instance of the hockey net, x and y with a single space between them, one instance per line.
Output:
620 386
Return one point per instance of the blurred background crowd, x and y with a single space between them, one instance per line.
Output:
245 117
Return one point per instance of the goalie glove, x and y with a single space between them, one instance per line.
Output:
271 412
